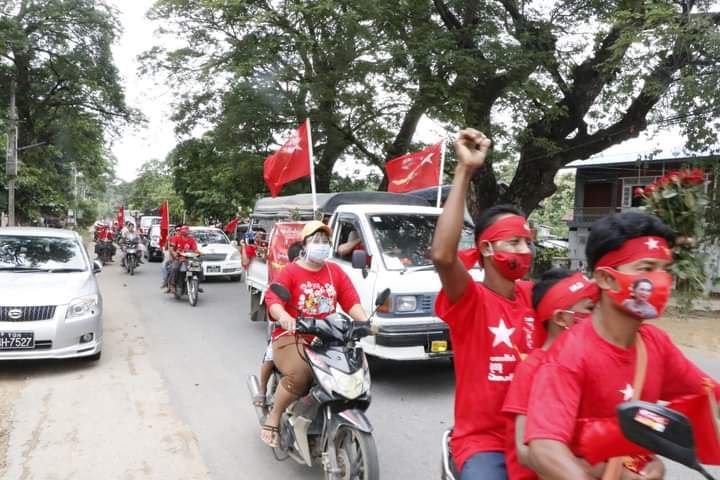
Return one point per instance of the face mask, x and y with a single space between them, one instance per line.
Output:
511 265
642 295
581 317
317 252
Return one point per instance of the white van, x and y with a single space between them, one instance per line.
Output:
396 232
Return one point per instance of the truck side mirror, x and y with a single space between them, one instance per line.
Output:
359 261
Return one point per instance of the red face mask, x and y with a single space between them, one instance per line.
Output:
642 295
511 265
581 317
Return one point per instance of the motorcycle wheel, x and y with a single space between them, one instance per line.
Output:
179 287
192 288
131 265
356 456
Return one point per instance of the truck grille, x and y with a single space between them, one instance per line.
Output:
26 314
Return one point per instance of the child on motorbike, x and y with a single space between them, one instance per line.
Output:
613 357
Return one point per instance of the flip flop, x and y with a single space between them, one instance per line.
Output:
275 431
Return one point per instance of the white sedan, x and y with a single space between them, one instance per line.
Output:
220 257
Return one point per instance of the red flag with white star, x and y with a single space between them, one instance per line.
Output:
415 170
289 163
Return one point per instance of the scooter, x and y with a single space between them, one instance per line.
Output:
654 427
329 423
188 278
131 257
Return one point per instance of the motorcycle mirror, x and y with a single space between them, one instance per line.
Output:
382 297
280 291
661 430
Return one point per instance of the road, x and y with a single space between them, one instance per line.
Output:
168 399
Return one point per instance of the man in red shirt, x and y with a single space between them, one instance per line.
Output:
179 244
561 299
491 323
591 369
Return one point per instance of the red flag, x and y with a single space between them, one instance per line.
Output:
700 410
415 170
164 223
231 227
289 163
121 216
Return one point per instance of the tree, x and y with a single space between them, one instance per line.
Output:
153 185
68 94
555 208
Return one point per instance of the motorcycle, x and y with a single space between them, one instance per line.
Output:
131 256
105 250
654 427
188 278
329 423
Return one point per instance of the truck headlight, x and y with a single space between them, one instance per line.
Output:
405 303
82 306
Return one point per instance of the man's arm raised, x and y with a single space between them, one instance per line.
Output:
471 148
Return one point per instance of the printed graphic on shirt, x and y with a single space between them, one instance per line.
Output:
316 299
529 329
496 367
627 392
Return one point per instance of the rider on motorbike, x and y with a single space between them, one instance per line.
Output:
180 244
316 287
613 358
129 235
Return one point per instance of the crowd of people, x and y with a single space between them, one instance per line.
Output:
535 362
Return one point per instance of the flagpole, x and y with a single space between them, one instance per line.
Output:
442 167
312 167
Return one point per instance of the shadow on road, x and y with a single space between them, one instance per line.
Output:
413 375
13 368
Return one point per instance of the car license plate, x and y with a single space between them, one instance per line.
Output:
17 340
439 346
213 269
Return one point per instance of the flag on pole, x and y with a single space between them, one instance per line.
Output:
291 162
231 227
121 216
164 223
415 170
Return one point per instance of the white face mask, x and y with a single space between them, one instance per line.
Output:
317 252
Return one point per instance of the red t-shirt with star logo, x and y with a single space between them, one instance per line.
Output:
488 334
584 376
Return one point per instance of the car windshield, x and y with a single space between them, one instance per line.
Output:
209 236
23 253
405 239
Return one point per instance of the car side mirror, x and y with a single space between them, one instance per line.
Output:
97 267
661 430
359 261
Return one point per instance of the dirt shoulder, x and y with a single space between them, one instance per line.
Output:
700 330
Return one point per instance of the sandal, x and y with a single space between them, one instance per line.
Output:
272 442
259 400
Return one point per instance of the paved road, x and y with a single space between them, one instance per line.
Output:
194 362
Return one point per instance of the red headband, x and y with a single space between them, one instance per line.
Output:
566 293
636 249
508 227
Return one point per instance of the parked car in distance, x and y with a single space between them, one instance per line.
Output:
51 306
220 257
152 243
147 221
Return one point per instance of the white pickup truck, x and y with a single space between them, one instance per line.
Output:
396 231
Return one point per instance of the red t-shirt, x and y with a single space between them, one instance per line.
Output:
516 403
587 377
183 244
314 294
488 331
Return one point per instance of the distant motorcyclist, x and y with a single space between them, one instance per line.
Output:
128 235
180 244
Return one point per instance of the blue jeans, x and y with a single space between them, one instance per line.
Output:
485 466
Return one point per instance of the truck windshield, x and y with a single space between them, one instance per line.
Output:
405 239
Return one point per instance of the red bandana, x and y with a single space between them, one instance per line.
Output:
636 249
566 293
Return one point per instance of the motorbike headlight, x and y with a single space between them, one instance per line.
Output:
406 303
83 306
234 257
349 386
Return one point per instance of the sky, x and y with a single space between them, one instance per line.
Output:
156 138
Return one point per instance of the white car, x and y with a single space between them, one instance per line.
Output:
50 305
220 256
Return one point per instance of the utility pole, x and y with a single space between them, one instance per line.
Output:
11 163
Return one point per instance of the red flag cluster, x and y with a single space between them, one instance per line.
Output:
415 170
289 163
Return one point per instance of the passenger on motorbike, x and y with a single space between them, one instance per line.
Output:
180 244
491 323
614 358
129 235
561 299
316 288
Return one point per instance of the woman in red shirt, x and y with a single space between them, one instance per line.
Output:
316 288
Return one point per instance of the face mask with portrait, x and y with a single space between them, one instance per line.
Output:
642 295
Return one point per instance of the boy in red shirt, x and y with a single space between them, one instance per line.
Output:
591 369
561 299
491 323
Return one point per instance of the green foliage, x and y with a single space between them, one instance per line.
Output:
153 185
543 260
68 95
557 206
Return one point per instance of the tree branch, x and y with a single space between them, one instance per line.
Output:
449 19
